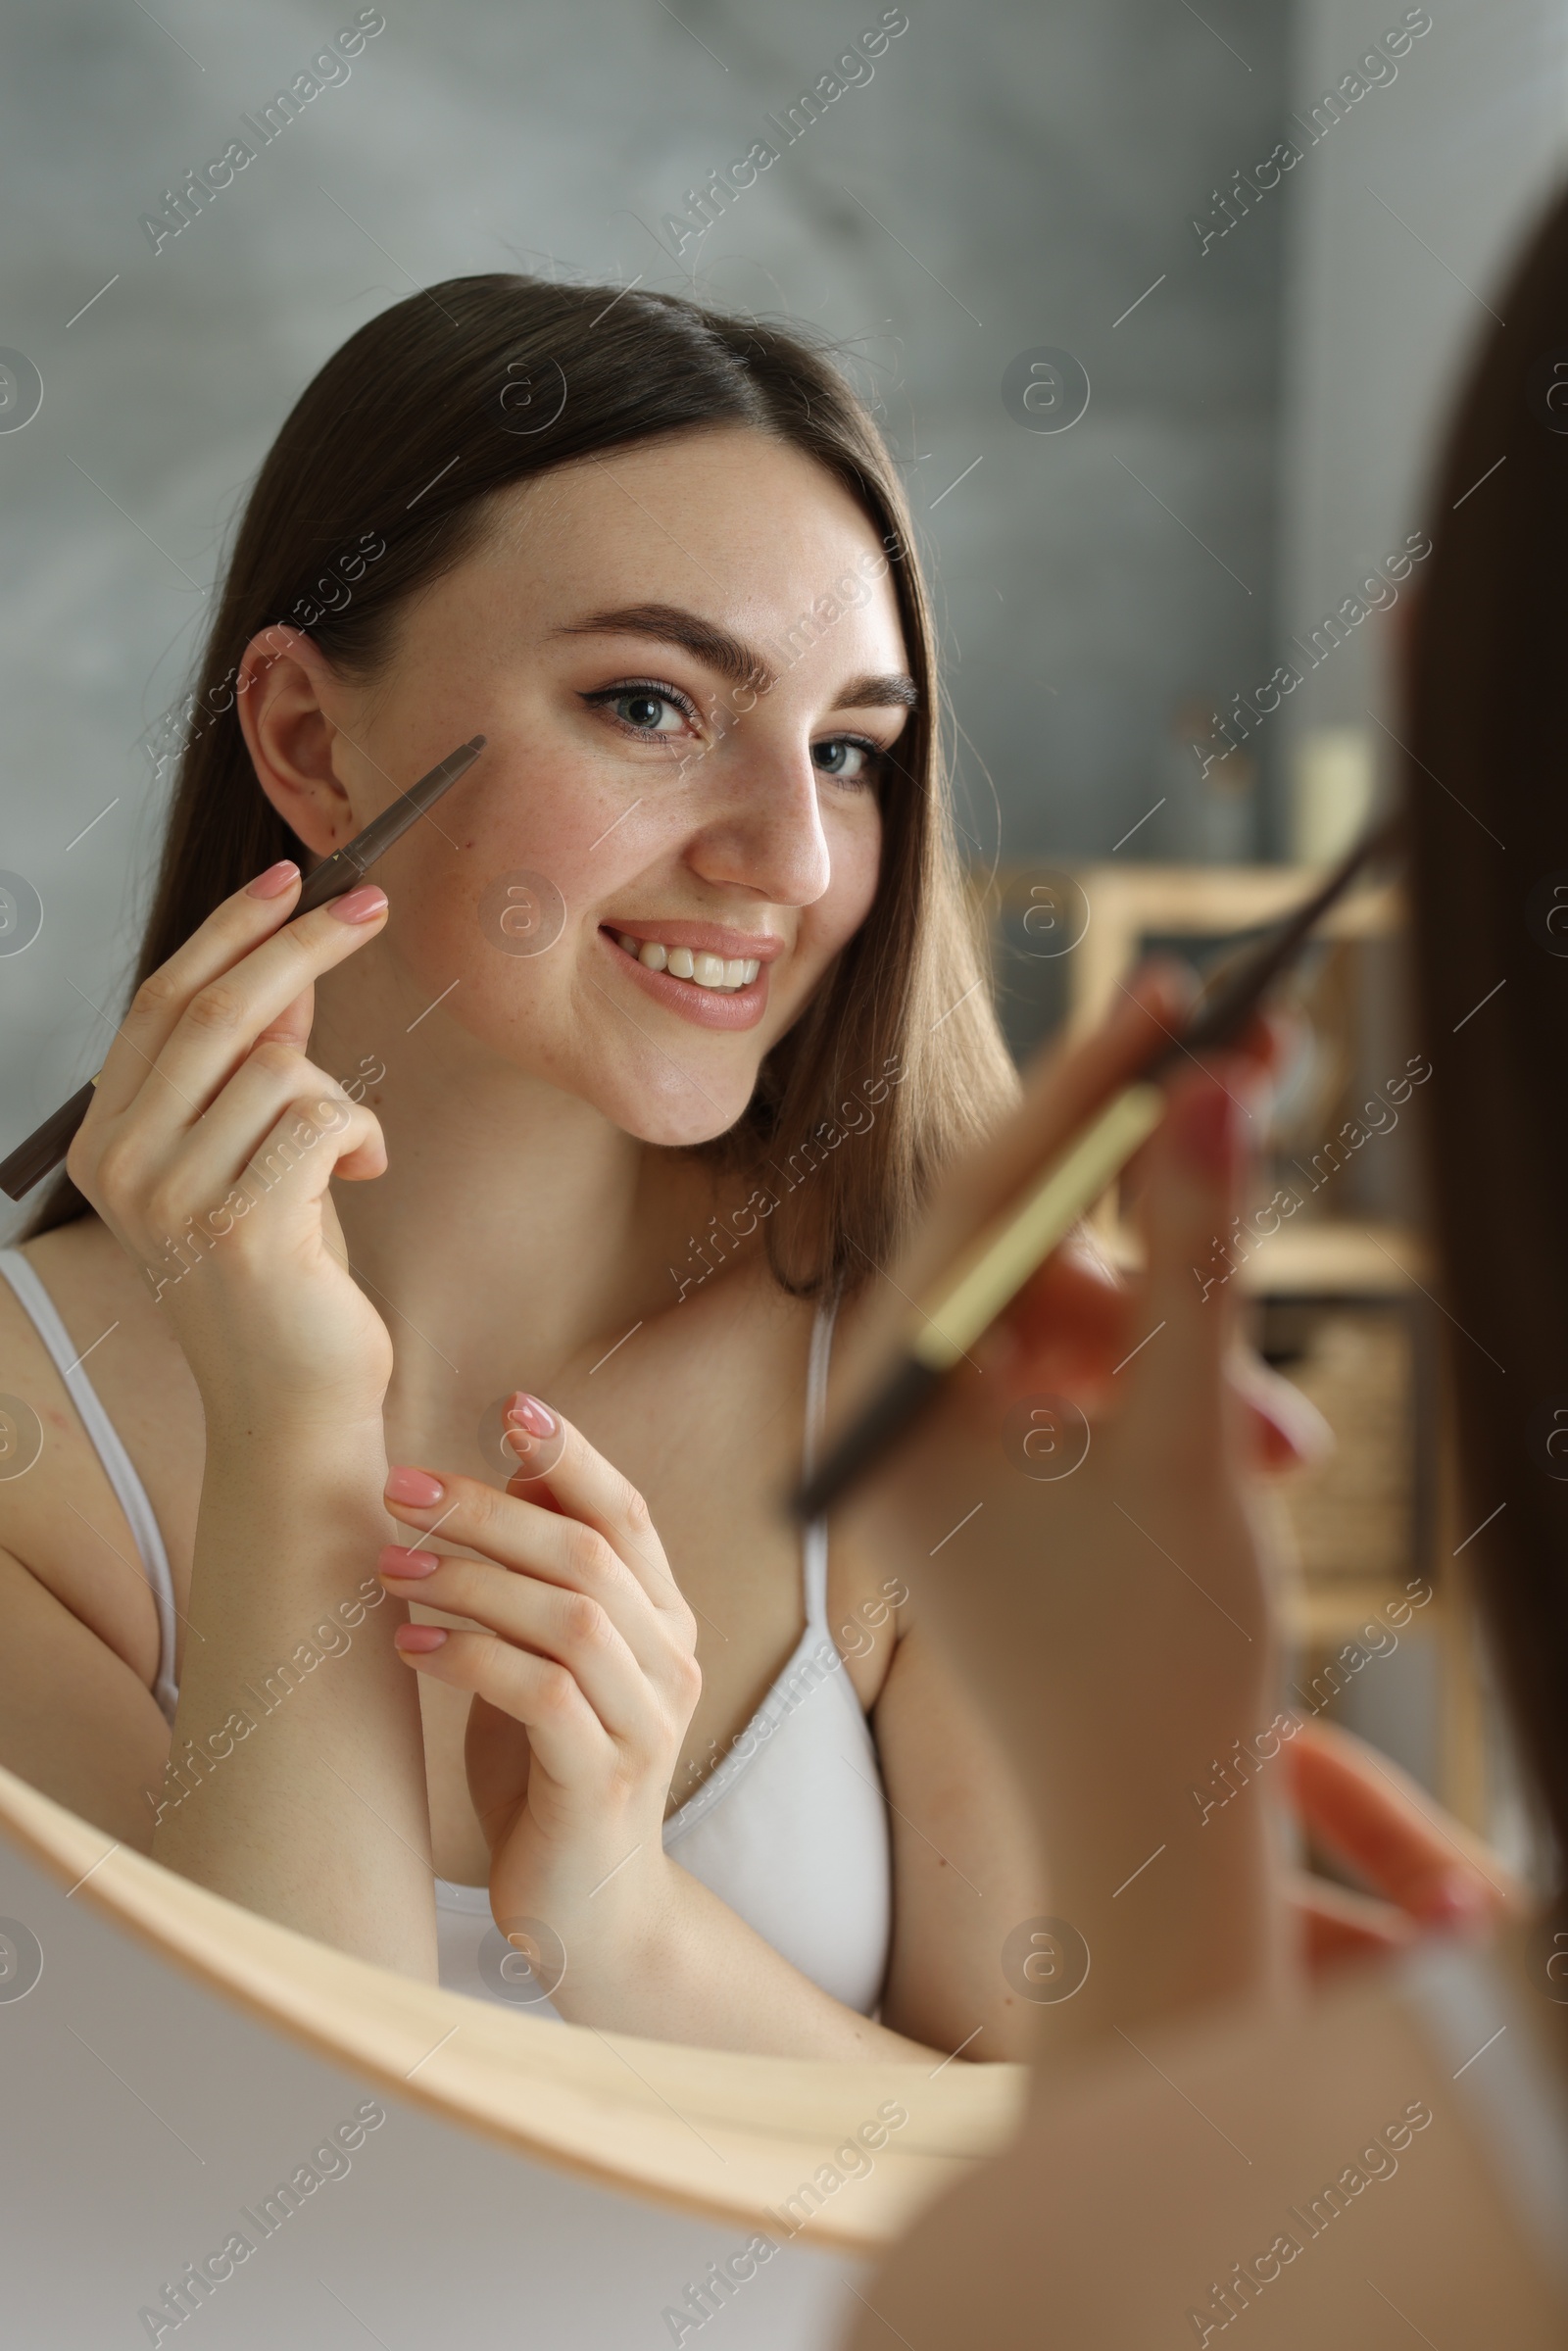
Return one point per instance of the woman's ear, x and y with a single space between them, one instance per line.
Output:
284 693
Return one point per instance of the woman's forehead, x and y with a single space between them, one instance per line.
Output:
744 530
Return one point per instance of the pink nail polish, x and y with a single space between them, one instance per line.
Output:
396 1562
415 1488
274 881
536 1418
418 1640
1460 1902
362 905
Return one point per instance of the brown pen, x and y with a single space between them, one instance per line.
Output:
47 1145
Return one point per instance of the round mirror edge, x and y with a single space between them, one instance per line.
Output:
780 2118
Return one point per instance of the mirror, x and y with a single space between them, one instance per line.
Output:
743 2138
1215 347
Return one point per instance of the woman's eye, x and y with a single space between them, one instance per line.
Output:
637 707
846 761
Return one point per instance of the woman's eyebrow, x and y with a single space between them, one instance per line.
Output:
672 624
880 690
731 656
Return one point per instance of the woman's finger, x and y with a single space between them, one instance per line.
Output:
1289 1430
535 1540
230 933
565 1737
552 1620
1067 1330
1062 1088
1367 1812
310 1143
185 1034
558 1469
251 1127
1337 1926
1177 1378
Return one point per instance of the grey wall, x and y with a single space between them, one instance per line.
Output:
1402 222
1041 162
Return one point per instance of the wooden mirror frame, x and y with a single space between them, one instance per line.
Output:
711 2134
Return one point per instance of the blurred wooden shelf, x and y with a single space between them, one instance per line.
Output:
1339 1259
1124 905
1326 1610
1103 917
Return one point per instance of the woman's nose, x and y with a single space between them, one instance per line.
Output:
761 829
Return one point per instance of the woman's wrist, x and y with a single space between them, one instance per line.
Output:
290 1419
627 1946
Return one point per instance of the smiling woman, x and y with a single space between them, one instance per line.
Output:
694 910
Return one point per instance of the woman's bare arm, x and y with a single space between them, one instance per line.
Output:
1313 2179
967 1876
74 1721
296 1779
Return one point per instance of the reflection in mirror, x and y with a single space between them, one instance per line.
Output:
401 1380
605 1119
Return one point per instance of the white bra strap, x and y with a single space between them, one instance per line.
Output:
128 1490
814 1540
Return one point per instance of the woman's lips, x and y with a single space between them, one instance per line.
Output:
704 1007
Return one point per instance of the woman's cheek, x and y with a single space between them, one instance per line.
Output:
527 868
851 830
828 924
477 938
857 865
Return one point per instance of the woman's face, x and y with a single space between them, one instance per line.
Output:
687 662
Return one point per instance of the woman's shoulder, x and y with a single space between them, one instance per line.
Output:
93 1289
59 1514
1320 2169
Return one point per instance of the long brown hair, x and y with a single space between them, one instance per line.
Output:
1486 787
398 444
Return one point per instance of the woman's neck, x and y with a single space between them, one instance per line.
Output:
515 1225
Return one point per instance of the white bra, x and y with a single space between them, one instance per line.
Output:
789 1829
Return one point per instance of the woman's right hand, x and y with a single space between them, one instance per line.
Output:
1045 1571
1109 1601
208 1150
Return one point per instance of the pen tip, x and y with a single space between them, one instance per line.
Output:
476 742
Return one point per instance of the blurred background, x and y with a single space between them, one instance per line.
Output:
1160 308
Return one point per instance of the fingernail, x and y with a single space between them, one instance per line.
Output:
1205 1128
416 1641
396 1561
536 1418
1458 1900
274 881
414 1487
360 905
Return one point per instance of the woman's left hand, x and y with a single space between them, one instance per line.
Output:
581 1660
1425 1872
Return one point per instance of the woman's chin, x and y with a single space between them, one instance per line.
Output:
680 1118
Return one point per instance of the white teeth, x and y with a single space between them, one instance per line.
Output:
705 970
